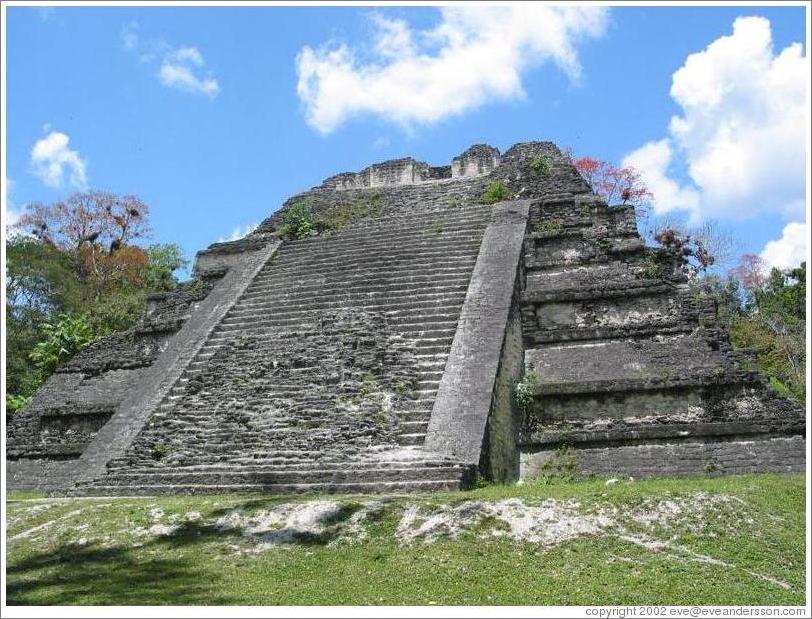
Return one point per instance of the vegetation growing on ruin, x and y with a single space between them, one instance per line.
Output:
62 338
298 221
497 191
169 550
549 226
348 213
541 165
524 392
75 270
615 184
561 466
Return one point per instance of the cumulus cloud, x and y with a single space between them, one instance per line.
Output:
653 160
239 232
52 161
182 68
741 132
472 56
788 251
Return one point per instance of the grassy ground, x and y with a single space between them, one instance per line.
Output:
748 549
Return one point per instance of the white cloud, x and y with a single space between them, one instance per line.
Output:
179 73
652 160
52 160
474 55
238 232
182 68
741 131
788 251
190 55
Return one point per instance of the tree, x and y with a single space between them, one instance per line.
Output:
92 217
164 260
773 322
40 283
77 265
63 338
750 272
614 184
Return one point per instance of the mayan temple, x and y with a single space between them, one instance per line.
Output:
418 340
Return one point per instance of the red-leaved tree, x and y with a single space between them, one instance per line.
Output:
622 185
95 230
91 217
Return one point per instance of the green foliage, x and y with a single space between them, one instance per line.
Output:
497 191
727 293
658 263
560 467
770 320
159 451
369 384
549 226
524 391
298 221
542 165
62 339
40 278
652 270
16 403
164 260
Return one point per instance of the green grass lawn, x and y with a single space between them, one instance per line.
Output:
746 548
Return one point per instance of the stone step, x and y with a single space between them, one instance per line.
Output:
284 308
271 477
601 290
416 438
394 297
367 268
362 285
387 245
270 324
630 365
416 223
537 337
394 319
414 427
449 299
407 233
442 253
396 487
400 458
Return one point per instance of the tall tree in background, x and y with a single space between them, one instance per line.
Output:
765 312
774 324
75 272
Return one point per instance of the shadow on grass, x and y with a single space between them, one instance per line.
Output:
176 568
73 575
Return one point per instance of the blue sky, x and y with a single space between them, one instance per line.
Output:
197 111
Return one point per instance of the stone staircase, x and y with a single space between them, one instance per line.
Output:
323 375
